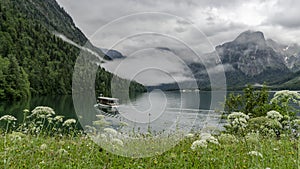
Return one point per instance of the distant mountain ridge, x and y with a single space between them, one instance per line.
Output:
255 60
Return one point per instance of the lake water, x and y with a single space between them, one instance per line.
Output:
158 111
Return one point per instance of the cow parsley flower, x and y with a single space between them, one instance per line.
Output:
26 111
274 115
199 144
43 147
208 138
237 120
69 122
110 131
235 115
213 140
42 112
59 118
285 96
8 118
255 153
190 135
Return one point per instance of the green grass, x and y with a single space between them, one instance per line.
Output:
81 152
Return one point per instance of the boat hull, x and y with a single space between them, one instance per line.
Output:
108 108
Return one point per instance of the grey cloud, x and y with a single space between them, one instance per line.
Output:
214 18
286 14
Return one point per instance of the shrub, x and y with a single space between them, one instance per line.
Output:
251 102
265 126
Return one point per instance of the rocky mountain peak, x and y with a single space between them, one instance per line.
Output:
254 37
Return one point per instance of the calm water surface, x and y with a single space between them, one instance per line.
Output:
157 110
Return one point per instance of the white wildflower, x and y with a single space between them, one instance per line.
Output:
50 119
8 118
190 135
42 111
117 142
274 115
43 147
110 131
286 95
235 115
237 120
208 138
255 153
199 144
59 118
26 111
69 122
213 140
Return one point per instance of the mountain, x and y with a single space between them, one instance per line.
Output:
251 59
290 53
112 54
39 47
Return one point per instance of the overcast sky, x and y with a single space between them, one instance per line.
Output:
182 25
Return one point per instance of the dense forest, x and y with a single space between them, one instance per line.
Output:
33 61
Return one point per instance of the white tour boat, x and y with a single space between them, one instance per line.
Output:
108 104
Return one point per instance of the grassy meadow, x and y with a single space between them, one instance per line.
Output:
266 136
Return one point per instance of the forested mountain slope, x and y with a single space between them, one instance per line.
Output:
33 60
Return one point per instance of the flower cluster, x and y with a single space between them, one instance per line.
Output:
208 138
286 95
255 153
237 121
42 112
274 115
205 138
69 122
199 144
8 118
190 135
59 118
110 131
